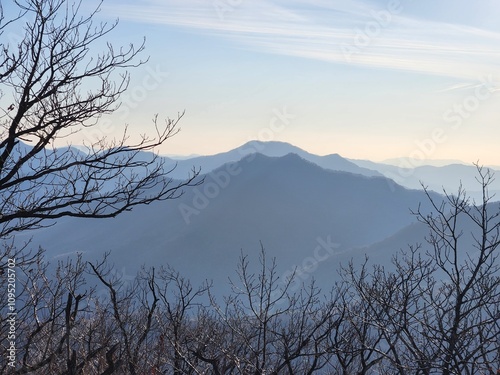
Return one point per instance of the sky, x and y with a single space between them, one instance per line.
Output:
367 79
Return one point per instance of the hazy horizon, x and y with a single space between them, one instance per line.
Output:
367 79
396 161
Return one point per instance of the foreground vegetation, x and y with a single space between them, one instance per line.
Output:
436 311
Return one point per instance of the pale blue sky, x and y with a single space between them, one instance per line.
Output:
366 79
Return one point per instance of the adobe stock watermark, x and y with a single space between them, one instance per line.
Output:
218 180
130 100
297 275
223 7
211 188
454 118
294 278
460 112
279 121
12 313
379 20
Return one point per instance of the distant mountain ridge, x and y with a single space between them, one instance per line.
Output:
297 209
448 177
301 207
435 178
406 161
273 148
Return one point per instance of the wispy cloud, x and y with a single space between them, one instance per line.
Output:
492 86
338 31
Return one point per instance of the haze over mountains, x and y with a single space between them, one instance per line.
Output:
209 163
310 212
404 172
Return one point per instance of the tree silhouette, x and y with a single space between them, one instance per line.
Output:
437 311
54 84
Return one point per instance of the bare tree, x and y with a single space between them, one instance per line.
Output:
384 310
270 329
56 330
437 311
132 308
54 84
466 306
181 324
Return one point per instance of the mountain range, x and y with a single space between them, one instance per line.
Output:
310 212
402 171
209 163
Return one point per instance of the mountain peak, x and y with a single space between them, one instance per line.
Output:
269 148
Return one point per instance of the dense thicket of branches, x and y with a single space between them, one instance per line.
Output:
54 82
436 311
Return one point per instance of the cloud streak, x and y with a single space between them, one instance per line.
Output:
340 32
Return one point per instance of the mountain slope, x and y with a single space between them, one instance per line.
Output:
273 149
299 211
447 177
416 234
